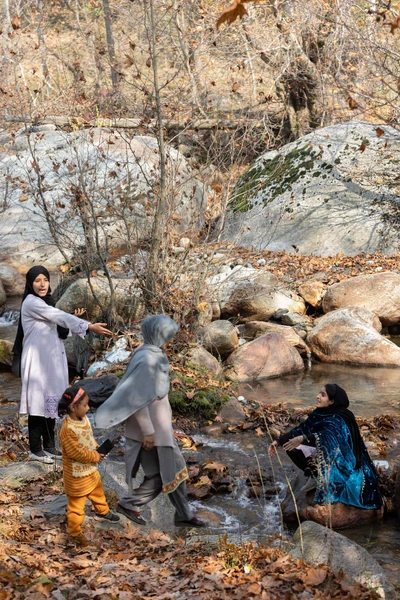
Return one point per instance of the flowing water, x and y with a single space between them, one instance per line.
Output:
372 391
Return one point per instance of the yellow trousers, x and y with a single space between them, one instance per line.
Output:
76 508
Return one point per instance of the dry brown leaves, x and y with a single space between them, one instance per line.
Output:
124 565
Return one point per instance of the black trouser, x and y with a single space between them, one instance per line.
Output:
41 428
306 464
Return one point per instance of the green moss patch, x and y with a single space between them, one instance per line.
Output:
276 176
204 405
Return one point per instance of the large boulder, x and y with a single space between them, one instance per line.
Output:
318 545
97 176
13 282
330 191
351 335
254 329
219 337
270 355
128 300
249 294
378 292
200 357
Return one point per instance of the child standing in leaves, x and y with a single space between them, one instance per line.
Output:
81 478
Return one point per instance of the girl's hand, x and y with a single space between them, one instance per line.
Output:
148 442
99 329
102 457
293 443
78 312
272 448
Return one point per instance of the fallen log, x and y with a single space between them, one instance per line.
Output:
129 123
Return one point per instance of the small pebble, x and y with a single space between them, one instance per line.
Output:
261 262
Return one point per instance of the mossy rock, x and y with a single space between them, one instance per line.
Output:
204 405
5 353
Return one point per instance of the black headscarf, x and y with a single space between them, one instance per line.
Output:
48 299
339 407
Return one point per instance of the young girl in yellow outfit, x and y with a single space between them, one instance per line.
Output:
81 478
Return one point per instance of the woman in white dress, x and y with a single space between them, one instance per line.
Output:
44 368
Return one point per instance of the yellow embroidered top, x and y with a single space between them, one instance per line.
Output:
79 457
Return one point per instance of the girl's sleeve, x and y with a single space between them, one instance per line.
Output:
38 309
71 447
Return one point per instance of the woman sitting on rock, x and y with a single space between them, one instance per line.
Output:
329 448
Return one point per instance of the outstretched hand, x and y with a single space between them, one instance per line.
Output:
293 443
99 329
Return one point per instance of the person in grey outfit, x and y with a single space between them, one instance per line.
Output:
141 400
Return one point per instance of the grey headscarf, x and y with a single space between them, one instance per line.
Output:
146 377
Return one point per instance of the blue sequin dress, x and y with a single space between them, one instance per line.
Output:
338 478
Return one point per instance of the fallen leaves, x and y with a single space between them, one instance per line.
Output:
38 563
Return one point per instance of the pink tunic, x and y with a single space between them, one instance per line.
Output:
44 368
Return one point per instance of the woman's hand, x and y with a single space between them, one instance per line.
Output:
78 312
99 329
272 448
102 457
148 442
293 443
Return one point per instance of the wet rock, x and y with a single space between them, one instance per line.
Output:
200 357
232 412
254 329
317 545
378 293
13 282
220 338
312 292
351 335
270 355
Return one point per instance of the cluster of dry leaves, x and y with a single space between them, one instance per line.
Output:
37 562
330 269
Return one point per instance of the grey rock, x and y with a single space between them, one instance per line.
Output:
320 194
324 546
65 158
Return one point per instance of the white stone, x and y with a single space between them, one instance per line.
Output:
184 242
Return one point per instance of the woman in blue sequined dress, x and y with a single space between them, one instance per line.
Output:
329 448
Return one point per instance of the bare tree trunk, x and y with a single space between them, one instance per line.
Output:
42 45
161 203
110 44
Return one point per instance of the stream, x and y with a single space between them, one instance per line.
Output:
372 391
